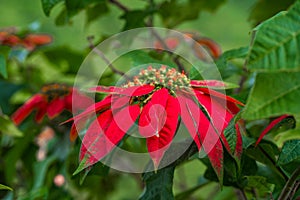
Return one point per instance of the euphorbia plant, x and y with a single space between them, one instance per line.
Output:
156 99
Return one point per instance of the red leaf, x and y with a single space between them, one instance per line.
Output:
153 115
101 138
212 145
41 111
158 144
103 89
97 107
219 95
93 139
239 142
269 127
210 45
27 108
207 83
190 113
80 102
120 101
202 132
33 40
218 114
77 126
55 107
131 91
232 107
38 39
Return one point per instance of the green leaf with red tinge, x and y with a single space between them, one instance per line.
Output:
269 127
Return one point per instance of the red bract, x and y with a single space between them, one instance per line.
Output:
51 101
269 127
201 46
155 100
30 41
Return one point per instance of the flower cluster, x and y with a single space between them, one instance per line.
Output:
155 100
163 77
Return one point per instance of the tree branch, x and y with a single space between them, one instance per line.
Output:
290 185
119 5
100 53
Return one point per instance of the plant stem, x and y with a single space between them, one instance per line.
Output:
244 76
290 185
119 5
100 53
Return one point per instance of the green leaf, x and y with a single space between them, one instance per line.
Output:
48 5
40 171
275 45
14 154
74 6
226 68
96 11
287 135
290 152
38 193
4 187
273 94
186 194
260 184
63 55
7 127
3 71
139 57
134 19
175 12
265 153
62 18
159 184
262 9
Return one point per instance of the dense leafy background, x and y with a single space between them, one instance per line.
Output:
263 60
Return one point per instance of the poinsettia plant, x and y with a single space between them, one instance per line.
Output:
156 99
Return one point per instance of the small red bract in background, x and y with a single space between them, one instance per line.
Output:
29 41
52 100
